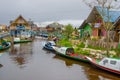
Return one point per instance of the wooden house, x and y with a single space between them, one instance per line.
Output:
19 25
85 29
96 18
3 28
54 27
49 28
117 30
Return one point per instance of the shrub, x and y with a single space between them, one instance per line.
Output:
81 45
64 42
83 52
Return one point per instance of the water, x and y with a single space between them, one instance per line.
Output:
29 61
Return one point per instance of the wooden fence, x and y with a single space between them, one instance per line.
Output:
103 44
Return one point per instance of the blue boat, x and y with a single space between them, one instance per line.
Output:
49 45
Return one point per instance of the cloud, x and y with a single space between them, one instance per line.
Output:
43 10
74 23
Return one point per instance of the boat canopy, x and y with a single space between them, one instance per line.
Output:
65 50
52 43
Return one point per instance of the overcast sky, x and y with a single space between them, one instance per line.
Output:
43 10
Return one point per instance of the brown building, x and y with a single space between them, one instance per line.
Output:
54 27
3 28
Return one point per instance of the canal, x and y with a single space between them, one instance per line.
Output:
29 61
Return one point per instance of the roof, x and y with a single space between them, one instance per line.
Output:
83 24
19 21
55 25
117 22
105 13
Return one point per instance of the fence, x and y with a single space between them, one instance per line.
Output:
103 44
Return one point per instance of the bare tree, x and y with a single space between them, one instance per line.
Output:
106 6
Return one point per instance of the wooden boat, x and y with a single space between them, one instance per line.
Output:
69 53
5 46
48 45
107 64
3 43
17 40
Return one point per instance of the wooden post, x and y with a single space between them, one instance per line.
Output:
119 40
12 40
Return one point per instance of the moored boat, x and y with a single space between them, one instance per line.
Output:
18 40
107 64
49 45
69 53
5 46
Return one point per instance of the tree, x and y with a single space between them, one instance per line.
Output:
106 6
68 30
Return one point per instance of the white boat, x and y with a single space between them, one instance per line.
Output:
68 52
18 40
49 45
108 64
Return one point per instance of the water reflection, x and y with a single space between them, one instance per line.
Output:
29 61
90 71
47 51
21 54
1 53
67 62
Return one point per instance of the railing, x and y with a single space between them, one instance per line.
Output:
2 35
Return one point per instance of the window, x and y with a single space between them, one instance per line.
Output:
113 62
105 61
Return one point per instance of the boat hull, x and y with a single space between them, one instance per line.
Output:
6 47
74 57
106 69
22 41
49 48
49 45
93 62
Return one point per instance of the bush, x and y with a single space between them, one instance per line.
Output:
83 52
81 45
64 42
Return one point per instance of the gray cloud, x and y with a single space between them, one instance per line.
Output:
42 10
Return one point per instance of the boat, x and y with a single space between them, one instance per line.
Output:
5 46
68 52
108 64
48 45
17 40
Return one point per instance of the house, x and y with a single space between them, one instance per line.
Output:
3 28
85 29
54 27
19 25
95 21
35 28
117 30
